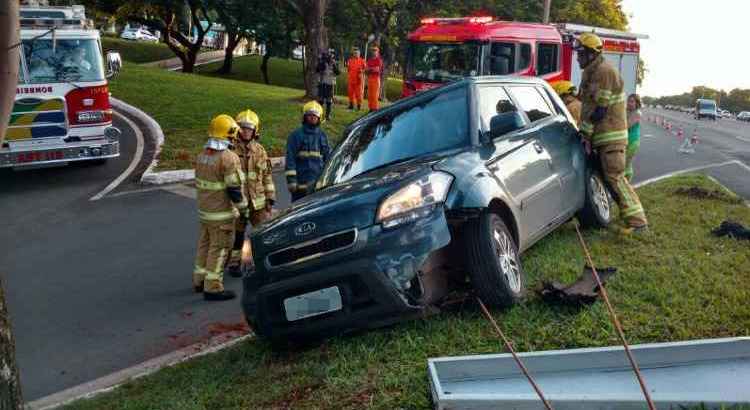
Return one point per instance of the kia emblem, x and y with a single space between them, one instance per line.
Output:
304 228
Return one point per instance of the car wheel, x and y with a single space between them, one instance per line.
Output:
597 207
494 265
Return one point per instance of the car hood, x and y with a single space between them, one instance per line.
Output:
348 205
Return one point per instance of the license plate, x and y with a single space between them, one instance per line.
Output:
39 156
312 304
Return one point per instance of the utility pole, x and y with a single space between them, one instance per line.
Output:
547 7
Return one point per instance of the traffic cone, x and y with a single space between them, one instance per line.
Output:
694 137
680 133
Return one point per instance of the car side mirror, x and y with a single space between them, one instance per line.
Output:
504 123
113 63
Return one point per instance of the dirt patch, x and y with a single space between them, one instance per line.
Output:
703 194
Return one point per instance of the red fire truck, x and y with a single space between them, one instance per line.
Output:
445 49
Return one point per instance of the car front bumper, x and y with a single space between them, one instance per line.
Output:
372 277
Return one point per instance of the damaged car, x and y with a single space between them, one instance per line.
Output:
437 191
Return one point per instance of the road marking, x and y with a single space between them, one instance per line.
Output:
117 379
133 163
688 170
743 139
182 190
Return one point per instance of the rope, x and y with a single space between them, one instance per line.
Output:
515 356
615 321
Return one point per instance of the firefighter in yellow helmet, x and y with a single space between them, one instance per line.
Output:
259 188
604 125
219 181
567 92
307 150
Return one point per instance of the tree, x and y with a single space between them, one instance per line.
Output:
10 387
275 28
233 15
313 14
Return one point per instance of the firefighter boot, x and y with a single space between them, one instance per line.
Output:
213 290
198 283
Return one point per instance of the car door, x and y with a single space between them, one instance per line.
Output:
521 163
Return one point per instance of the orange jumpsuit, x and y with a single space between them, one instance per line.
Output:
355 66
374 67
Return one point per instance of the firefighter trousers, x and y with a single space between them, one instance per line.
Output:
613 159
256 218
373 92
214 246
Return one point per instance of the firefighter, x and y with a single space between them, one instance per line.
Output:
355 66
219 181
259 188
374 68
605 127
307 150
567 92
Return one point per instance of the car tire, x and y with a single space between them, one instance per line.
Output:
597 207
494 264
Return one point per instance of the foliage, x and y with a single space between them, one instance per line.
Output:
735 101
137 51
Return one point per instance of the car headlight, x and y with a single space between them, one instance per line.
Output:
415 200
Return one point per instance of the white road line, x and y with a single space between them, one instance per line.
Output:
133 163
743 139
688 170
182 190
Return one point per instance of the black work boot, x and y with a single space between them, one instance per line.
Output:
234 271
359 107
351 107
219 296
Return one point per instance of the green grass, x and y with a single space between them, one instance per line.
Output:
285 73
677 283
183 104
138 51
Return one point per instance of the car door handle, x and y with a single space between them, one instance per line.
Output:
538 147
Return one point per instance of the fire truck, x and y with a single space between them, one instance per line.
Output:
444 49
62 111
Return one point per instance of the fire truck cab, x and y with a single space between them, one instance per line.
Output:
445 49
62 111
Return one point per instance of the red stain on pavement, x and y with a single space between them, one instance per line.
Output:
219 328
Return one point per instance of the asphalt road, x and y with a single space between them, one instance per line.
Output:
95 287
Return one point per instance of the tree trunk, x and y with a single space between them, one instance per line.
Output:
10 386
316 41
233 39
264 65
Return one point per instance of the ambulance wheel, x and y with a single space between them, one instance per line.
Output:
597 207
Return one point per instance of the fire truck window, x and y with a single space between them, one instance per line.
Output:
434 62
68 60
493 100
501 58
524 60
532 103
547 58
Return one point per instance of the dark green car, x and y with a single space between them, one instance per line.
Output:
449 184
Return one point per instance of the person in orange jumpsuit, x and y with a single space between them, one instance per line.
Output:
355 66
373 70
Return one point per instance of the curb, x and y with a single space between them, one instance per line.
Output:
112 381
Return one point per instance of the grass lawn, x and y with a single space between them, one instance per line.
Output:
183 104
285 73
138 51
677 283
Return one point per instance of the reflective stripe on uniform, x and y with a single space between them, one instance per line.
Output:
616 99
213 275
221 261
251 176
236 254
291 173
292 187
234 179
216 216
242 205
587 127
209 185
259 203
302 187
610 137
199 271
309 154
603 97
269 187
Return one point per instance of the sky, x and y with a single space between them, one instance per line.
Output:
692 42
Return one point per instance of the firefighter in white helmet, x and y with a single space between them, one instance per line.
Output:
307 150
259 188
219 181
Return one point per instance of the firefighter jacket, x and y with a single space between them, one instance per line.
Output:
307 150
602 86
219 181
256 165
574 107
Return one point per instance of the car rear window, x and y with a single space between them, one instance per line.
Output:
532 103
493 100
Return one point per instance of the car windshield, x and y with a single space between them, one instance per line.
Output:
442 62
707 105
63 60
427 126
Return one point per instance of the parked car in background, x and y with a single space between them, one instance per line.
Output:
449 185
138 34
744 116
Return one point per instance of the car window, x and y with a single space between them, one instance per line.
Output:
547 58
493 100
524 59
426 126
502 58
532 102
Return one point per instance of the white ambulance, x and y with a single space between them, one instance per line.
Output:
62 111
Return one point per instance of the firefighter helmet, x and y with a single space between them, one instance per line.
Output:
248 119
563 88
590 41
222 127
312 108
